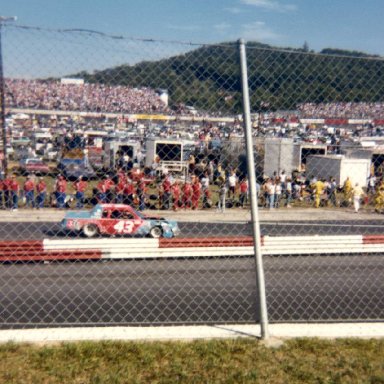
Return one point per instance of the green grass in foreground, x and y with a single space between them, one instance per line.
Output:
216 361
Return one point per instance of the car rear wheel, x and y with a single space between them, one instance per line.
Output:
156 232
90 230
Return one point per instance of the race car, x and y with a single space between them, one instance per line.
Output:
118 219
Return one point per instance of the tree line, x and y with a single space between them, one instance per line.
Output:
279 79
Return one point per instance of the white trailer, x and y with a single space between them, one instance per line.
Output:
339 167
118 153
168 153
303 150
284 154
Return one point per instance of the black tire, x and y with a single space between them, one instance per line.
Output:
156 232
90 230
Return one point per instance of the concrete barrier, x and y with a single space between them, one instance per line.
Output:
144 248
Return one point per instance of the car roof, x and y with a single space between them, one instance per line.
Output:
107 206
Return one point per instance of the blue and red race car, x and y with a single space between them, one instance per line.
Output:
118 219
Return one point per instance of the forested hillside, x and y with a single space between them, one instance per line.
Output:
279 79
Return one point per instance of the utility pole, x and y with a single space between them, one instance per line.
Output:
3 19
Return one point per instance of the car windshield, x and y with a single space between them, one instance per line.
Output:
97 211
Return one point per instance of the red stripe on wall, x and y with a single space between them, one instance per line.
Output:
336 121
34 251
206 242
373 239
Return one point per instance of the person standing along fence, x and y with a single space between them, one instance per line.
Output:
60 192
196 192
222 195
358 193
80 186
14 189
243 192
41 191
29 192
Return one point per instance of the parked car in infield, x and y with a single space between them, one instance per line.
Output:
35 166
118 219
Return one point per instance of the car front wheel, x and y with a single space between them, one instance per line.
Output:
90 230
156 232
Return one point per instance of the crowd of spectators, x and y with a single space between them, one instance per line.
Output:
53 95
211 186
284 190
334 110
342 110
87 97
206 185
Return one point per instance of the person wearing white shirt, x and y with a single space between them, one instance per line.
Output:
232 181
358 193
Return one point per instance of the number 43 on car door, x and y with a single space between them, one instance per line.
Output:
125 226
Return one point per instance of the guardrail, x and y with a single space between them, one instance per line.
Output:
138 248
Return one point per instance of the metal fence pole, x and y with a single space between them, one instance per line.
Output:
2 107
3 19
253 193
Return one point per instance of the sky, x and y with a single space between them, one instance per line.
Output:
344 24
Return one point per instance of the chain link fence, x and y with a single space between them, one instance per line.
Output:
125 190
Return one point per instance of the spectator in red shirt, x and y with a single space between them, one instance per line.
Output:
176 193
104 188
7 192
196 192
2 194
29 192
14 192
41 190
109 185
166 188
119 189
243 191
128 192
141 194
187 195
101 192
80 185
121 175
60 191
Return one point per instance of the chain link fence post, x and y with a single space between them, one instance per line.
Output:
2 108
253 193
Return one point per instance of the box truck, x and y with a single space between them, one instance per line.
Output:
339 167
